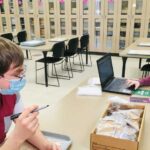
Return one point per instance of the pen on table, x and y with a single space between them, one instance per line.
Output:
36 110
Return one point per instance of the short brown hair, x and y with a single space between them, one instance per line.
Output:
9 53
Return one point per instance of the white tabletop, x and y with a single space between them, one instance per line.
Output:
77 116
49 43
135 46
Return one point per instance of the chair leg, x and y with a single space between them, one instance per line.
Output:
52 71
27 54
145 74
90 65
90 59
82 61
70 68
56 75
81 65
36 72
30 54
60 76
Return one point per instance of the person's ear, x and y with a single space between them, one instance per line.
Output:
4 84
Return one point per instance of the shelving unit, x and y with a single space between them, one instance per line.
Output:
112 24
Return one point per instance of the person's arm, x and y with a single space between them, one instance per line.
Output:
145 81
39 141
13 143
25 127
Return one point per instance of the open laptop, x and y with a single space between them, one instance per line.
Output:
110 83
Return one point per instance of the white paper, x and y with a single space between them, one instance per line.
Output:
89 90
119 100
94 81
57 39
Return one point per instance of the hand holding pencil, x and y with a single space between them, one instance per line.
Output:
26 124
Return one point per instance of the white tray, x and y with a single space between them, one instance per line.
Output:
63 140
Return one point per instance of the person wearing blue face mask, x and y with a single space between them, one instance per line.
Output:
11 82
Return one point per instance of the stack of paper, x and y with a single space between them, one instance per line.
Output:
89 90
93 88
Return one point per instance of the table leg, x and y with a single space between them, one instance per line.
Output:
45 69
86 55
140 61
124 59
27 54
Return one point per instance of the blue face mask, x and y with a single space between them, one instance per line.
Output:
15 86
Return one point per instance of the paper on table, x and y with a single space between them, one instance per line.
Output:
89 90
58 39
117 99
139 52
144 44
94 81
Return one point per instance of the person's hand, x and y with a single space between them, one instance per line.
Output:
26 124
134 82
52 146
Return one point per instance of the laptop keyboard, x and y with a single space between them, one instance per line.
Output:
117 84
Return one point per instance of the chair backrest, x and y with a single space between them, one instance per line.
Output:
84 41
8 36
22 36
73 45
58 49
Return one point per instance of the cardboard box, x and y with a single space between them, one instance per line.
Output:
101 142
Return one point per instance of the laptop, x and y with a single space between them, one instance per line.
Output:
109 83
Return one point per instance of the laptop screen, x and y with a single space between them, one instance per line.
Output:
105 69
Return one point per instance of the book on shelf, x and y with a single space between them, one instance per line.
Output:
141 96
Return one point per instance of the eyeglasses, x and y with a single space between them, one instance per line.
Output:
20 76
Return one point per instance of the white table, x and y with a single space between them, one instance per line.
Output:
134 46
77 116
47 47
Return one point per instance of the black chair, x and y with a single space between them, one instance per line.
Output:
84 43
71 52
148 60
56 59
146 69
8 36
22 37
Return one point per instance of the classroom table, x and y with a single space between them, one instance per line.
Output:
134 46
47 47
77 116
